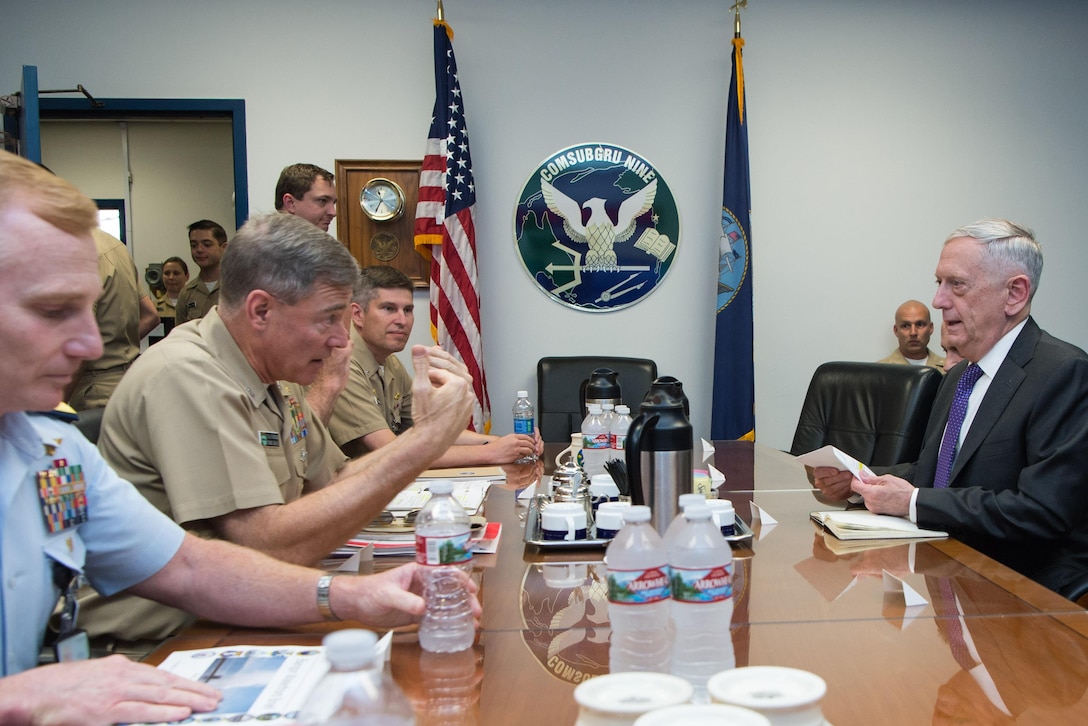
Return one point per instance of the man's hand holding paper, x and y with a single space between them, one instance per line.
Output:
833 471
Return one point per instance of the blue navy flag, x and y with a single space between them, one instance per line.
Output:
733 413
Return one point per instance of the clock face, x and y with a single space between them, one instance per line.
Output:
382 200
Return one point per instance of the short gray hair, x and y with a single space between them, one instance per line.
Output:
1007 246
285 256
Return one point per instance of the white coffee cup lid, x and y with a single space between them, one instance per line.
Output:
705 714
632 693
768 689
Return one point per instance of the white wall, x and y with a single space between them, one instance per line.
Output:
875 129
181 171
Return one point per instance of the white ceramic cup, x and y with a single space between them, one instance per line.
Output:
609 519
617 699
602 488
786 696
703 714
571 574
563 521
724 514
574 450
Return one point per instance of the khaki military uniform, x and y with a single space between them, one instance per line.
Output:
373 399
195 300
200 436
932 359
117 312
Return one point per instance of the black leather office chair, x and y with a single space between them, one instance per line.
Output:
876 412
559 381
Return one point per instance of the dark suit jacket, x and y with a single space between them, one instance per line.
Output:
1019 486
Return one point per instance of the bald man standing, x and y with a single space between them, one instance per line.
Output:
913 328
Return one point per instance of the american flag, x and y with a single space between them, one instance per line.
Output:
445 227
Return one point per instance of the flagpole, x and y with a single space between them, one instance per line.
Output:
736 15
442 15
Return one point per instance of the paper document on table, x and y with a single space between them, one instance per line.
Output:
835 458
259 684
469 493
461 472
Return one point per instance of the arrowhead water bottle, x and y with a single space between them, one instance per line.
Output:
701 563
443 548
617 432
357 690
523 422
595 451
638 596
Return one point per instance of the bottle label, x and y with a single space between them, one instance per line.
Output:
702 584
523 426
443 550
617 441
595 441
636 587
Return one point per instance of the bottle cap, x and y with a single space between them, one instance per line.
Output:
523 394
622 409
607 406
440 486
350 649
593 407
636 513
697 512
687 500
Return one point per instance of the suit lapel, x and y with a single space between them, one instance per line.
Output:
1009 377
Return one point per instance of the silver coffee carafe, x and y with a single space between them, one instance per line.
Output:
659 446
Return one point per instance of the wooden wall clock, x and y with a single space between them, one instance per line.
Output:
376 210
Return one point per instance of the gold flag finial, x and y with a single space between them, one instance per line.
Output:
736 15
442 14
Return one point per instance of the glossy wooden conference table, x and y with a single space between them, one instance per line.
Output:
800 601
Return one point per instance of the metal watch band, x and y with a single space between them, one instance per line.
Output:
323 605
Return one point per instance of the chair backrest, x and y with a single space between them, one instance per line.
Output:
876 412
559 381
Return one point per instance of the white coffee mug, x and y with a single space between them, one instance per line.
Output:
602 488
565 575
725 517
609 519
574 450
563 521
786 696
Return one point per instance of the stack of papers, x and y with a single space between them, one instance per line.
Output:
399 539
860 524
469 492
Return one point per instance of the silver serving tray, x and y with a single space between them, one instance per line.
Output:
535 537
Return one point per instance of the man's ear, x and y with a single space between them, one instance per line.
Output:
356 314
259 306
1017 294
289 203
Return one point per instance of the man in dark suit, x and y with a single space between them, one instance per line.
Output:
1013 483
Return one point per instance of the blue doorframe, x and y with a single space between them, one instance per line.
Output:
30 139
234 109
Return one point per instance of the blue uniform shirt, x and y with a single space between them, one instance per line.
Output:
124 541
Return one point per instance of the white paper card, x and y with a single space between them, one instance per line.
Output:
761 514
911 597
708 450
835 458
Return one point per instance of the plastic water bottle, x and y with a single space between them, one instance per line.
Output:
357 690
442 546
678 522
701 563
617 432
523 422
638 596
608 415
595 451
